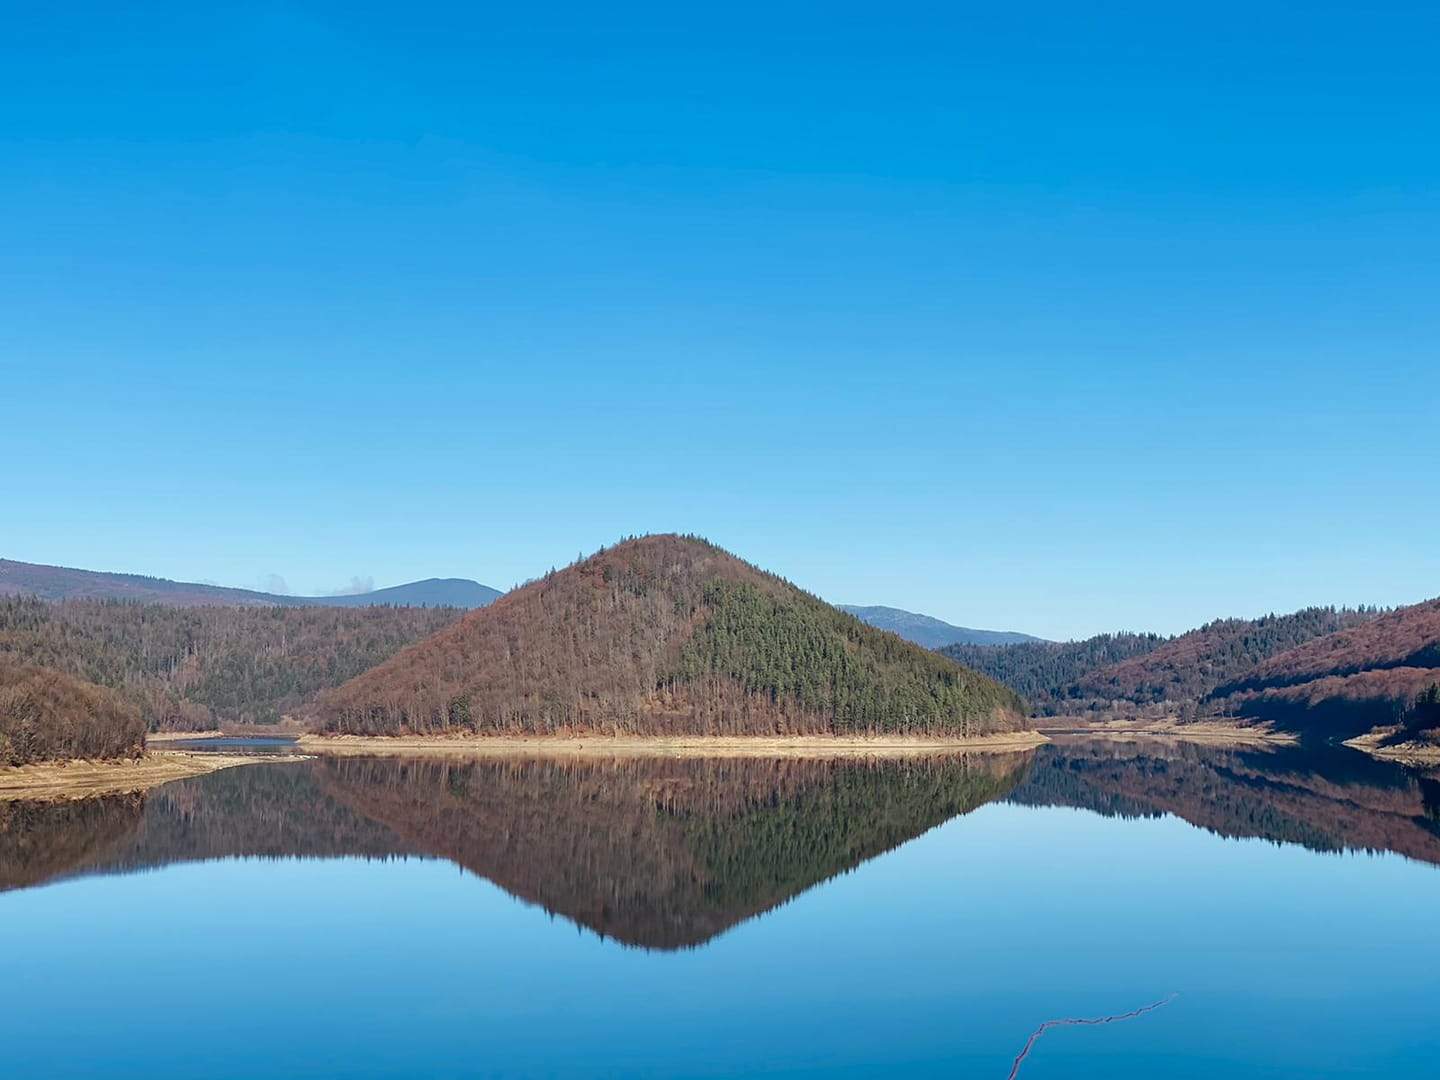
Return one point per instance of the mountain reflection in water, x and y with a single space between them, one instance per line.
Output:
667 853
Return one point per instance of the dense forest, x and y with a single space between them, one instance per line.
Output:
1421 720
1144 674
1370 675
46 715
193 668
1042 671
666 635
1184 671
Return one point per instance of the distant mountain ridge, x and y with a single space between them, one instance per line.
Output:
928 631
66 583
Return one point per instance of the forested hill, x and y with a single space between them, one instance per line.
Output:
1182 672
1371 675
1042 671
64 583
48 715
928 631
1145 674
661 635
192 668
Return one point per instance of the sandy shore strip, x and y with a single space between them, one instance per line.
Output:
234 732
668 746
60 780
1211 731
1406 753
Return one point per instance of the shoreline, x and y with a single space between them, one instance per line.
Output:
1406 753
164 737
67 780
667 745
1207 731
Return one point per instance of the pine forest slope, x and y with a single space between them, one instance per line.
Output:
666 635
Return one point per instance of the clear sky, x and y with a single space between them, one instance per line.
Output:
1050 317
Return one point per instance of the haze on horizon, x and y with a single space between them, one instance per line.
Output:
1045 320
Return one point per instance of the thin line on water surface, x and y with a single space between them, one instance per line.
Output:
1085 1021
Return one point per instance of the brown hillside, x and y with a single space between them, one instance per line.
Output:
1407 637
666 635
1186 669
1347 682
45 715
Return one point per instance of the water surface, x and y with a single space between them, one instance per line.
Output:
397 917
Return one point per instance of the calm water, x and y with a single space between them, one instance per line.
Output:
398 918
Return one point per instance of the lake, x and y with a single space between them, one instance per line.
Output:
674 917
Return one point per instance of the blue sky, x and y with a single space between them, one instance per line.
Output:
1061 318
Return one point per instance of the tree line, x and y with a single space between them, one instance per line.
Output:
194 668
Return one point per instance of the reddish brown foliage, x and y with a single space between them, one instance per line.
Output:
1347 682
1185 670
597 648
1408 637
45 715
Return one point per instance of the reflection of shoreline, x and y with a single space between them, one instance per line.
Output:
1218 732
688 746
1322 798
65 780
662 852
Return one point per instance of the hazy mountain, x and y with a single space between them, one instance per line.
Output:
667 635
64 583
930 632
432 592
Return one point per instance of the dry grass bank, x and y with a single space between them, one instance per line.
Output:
85 779
1407 753
1211 731
668 746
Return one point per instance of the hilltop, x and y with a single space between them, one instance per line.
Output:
666 635
928 631
64 583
